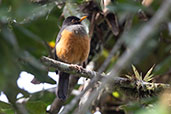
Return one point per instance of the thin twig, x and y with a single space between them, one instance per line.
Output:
114 50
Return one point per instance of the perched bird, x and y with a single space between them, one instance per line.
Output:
72 46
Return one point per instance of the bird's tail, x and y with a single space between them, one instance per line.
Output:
63 85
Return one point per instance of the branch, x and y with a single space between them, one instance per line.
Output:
69 68
117 82
120 82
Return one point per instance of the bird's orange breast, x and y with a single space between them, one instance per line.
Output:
73 48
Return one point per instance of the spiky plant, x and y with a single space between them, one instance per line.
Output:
138 76
142 85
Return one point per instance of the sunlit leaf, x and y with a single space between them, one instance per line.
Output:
137 75
115 94
129 77
148 77
51 44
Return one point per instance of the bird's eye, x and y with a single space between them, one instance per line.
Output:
74 21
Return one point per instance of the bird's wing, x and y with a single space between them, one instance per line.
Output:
57 40
59 35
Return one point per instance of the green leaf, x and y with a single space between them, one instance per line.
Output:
44 96
10 38
125 6
130 108
136 106
32 65
9 66
36 12
6 108
163 67
156 109
36 107
39 101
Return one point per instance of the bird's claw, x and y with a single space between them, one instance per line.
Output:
79 68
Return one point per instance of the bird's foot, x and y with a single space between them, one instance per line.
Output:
79 68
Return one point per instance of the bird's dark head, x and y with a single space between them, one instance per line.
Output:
72 20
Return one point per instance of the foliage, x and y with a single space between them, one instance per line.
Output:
28 29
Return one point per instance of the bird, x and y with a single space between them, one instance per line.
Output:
72 46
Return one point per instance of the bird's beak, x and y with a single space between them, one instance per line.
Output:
82 18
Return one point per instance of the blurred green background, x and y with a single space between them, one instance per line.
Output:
28 26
